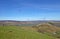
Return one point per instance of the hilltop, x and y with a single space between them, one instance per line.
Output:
46 27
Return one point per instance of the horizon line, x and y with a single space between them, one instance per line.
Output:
30 20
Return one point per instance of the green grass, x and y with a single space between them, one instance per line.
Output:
15 32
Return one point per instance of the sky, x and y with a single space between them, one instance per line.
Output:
29 10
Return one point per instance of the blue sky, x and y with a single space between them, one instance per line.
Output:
29 9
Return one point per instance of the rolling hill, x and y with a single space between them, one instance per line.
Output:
46 27
15 32
27 23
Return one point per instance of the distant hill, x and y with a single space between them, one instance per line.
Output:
26 23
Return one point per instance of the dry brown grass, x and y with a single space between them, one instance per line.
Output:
46 27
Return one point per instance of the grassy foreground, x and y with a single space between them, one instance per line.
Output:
15 32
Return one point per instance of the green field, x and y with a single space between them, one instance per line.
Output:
15 32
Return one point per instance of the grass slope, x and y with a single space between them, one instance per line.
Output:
15 32
46 27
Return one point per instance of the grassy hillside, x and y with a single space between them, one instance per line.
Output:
49 29
15 32
46 27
